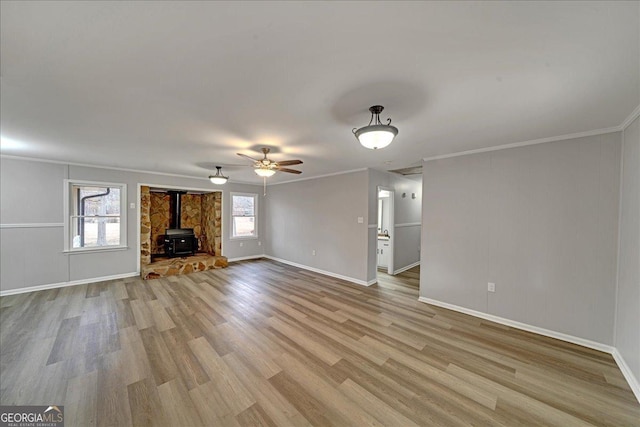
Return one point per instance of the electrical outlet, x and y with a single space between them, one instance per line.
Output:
491 287
360 220
241 244
259 243
132 206
313 252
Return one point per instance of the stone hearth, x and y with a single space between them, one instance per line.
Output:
185 265
201 212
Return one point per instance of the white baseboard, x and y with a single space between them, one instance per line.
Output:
628 374
624 368
408 267
244 258
65 284
326 273
525 327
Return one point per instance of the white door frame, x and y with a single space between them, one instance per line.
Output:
391 228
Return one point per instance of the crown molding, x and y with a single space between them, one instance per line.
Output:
526 143
175 175
621 127
634 115
319 176
115 168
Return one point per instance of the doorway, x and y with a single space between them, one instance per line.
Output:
385 230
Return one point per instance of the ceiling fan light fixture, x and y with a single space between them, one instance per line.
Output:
265 172
266 167
376 134
218 178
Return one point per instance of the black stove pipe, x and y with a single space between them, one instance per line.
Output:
175 207
83 206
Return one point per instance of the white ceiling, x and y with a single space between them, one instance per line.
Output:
179 87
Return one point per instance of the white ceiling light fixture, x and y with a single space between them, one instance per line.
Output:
218 178
265 172
376 134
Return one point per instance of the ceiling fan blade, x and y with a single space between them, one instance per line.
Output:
289 162
250 158
288 170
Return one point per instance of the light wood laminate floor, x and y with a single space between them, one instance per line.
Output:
262 343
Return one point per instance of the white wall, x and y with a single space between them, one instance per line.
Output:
539 221
407 221
31 204
627 331
322 215
32 234
295 219
384 204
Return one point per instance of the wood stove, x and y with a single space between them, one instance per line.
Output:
178 241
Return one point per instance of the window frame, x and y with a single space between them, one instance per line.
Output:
255 216
69 211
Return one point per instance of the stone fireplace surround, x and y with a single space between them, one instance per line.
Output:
202 212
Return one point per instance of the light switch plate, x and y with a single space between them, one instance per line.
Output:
360 220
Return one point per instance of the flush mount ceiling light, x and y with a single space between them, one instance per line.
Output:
218 178
376 135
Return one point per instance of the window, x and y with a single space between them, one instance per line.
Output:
243 215
96 215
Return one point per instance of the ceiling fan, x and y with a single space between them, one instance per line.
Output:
266 167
